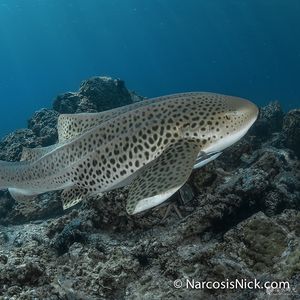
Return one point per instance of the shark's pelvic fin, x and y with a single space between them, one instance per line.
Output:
21 195
72 196
163 177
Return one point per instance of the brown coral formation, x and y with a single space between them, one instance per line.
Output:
243 222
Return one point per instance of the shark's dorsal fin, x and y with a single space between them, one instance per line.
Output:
72 125
163 177
31 154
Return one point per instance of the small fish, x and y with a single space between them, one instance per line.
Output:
152 146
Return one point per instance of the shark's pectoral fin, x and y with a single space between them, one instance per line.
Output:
163 177
21 195
72 196
204 159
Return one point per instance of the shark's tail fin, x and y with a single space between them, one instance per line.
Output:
10 178
4 171
9 172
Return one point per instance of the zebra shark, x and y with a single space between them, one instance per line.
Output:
151 146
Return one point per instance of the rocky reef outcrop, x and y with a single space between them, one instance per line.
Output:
242 222
291 130
95 94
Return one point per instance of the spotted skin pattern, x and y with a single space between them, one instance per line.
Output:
104 151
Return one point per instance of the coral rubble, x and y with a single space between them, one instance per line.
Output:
242 223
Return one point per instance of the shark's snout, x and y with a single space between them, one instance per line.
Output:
234 120
245 111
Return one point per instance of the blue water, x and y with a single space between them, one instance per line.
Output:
249 48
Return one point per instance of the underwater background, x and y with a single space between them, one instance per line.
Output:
236 218
248 48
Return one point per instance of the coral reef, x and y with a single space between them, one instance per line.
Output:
43 124
95 94
291 130
242 223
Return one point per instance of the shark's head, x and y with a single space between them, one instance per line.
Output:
223 121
